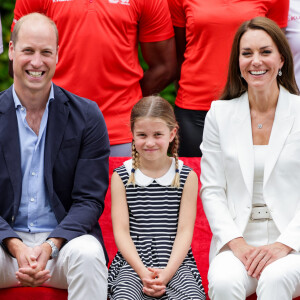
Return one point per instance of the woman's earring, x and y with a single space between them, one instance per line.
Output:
279 72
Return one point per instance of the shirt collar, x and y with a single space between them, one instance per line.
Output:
18 102
143 180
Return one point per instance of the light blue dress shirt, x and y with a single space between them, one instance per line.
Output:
35 214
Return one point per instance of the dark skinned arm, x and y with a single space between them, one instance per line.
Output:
161 59
180 39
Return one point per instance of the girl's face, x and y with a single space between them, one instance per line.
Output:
152 137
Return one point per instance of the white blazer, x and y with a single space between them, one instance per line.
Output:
227 170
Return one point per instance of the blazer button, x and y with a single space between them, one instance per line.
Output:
13 218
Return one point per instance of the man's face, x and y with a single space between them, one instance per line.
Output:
34 56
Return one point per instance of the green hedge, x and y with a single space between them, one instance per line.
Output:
6 8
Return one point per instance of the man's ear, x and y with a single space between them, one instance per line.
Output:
11 50
57 54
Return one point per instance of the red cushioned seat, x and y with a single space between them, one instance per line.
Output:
200 245
28 293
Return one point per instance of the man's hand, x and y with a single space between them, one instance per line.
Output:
24 254
30 277
27 259
263 256
36 276
31 261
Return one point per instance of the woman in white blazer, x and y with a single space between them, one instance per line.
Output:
250 170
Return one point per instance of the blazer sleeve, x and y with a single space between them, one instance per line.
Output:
291 235
90 180
213 183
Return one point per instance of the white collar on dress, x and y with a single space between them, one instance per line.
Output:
143 180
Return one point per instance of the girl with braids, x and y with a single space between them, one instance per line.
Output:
154 204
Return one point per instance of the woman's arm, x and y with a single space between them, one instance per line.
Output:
213 191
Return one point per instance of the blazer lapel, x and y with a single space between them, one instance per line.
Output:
282 126
244 141
9 139
57 121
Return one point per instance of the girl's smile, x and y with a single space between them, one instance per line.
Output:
152 137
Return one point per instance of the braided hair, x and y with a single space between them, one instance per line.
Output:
155 107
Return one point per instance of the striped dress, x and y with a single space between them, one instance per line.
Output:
153 207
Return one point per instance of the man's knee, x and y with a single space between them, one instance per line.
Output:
8 267
86 251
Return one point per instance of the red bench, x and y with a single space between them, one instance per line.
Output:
200 245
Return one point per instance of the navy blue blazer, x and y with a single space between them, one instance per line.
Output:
76 165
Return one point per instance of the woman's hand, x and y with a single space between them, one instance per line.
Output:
263 256
153 286
241 249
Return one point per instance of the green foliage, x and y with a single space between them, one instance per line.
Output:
6 9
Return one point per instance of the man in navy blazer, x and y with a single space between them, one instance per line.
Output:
54 152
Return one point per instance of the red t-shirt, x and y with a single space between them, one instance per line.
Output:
210 29
98 50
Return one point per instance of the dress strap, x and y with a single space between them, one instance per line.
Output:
123 174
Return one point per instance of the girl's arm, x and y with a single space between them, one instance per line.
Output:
120 222
186 222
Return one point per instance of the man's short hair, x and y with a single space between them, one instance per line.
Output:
18 25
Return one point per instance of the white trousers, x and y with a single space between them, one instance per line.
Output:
228 278
80 267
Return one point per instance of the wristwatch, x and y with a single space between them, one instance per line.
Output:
55 250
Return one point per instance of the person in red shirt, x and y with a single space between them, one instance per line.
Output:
204 32
98 56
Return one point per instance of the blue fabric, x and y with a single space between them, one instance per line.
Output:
35 214
75 165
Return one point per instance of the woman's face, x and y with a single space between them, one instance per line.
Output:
259 60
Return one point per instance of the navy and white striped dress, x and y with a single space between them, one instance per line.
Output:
153 207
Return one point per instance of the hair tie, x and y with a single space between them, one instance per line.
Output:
132 170
177 170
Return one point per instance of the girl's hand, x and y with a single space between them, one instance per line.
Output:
152 285
161 275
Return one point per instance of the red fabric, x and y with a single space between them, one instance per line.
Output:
210 28
200 244
202 233
28 293
98 50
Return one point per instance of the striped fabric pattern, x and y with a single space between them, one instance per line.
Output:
153 219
